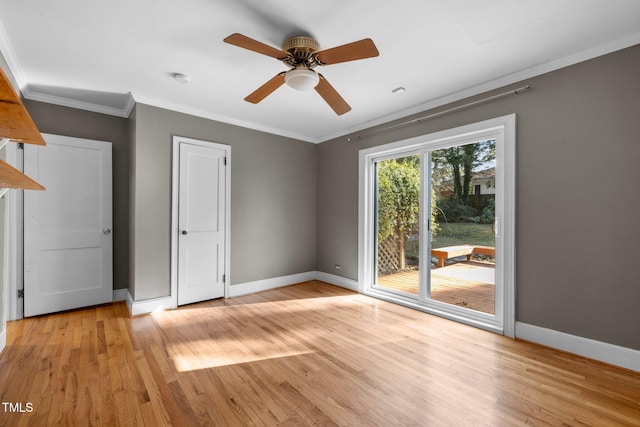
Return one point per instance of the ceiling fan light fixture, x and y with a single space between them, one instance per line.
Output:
301 79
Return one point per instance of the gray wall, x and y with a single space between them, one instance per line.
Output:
578 145
66 121
273 200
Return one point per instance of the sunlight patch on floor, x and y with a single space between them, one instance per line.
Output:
198 360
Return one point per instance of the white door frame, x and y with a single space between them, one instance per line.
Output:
13 308
175 197
505 128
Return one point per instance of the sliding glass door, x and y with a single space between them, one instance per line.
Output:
462 235
431 227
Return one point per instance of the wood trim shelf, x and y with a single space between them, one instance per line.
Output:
11 177
15 122
15 125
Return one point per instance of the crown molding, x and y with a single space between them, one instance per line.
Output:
141 99
7 51
30 94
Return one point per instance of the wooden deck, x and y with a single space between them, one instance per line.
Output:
456 284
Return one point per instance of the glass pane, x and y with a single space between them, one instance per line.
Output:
397 224
462 239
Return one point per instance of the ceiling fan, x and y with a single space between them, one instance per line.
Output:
302 54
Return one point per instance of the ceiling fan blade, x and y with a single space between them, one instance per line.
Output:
348 52
266 89
255 46
332 97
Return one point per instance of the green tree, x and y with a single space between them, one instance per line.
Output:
399 201
460 162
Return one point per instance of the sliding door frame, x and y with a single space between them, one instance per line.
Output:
502 129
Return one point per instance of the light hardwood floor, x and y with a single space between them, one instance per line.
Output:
308 354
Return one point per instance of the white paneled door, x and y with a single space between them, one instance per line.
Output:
201 223
68 254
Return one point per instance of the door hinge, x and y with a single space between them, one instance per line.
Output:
21 146
224 278
20 293
225 160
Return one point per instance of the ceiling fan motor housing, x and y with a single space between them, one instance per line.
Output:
302 50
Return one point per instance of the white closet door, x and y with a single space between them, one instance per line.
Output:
201 217
68 227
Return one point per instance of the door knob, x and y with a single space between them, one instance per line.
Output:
184 232
106 231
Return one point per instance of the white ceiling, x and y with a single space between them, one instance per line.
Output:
102 55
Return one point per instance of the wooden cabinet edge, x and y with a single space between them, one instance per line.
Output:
15 125
11 177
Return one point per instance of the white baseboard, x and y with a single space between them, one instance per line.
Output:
277 282
337 280
137 308
266 284
129 301
120 294
597 350
149 306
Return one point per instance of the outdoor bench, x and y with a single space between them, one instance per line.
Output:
460 250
